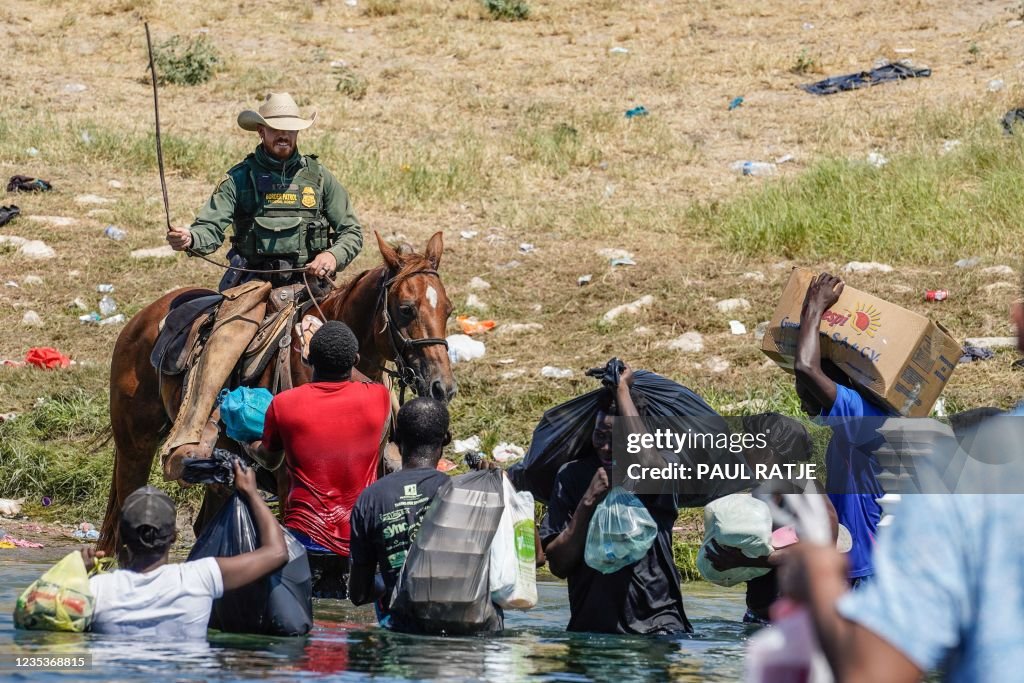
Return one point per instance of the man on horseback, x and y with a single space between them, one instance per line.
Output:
292 224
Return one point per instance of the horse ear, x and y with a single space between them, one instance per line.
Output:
435 247
391 258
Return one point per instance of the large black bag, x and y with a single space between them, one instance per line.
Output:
280 604
444 587
564 432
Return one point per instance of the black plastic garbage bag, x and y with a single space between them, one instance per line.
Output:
444 585
564 432
217 469
280 604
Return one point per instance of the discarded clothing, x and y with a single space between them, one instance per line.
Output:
19 542
47 358
1011 118
24 183
973 353
8 214
889 72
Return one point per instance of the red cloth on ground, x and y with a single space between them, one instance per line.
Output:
330 433
46 358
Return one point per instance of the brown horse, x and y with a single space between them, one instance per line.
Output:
398 312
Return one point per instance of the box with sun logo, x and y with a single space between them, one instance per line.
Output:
901 357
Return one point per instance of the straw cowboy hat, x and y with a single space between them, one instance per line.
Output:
278 111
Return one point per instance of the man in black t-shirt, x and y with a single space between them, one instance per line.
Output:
642 598
388 513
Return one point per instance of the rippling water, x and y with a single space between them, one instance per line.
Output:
346 644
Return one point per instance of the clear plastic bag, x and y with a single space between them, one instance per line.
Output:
60 599
513 571
739 521
620 533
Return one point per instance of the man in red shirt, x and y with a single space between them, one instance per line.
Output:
331 431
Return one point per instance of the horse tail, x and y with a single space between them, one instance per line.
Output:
109 531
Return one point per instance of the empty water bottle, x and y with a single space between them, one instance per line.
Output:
115 233
107 306
754 167
104 289
112 320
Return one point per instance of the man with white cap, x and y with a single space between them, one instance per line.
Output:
288 212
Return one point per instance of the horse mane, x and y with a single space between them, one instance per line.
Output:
409 264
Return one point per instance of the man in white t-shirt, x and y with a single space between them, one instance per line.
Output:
151 597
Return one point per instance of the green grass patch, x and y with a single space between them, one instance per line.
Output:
181 61
922 207
507 10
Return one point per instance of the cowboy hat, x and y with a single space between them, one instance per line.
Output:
279 112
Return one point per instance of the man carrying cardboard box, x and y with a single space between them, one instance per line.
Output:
825 392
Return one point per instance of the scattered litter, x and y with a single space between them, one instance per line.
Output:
470 325
154 252
688 342
936 295
24 183
555 373
46 501
90 318
72 88
512 374
876 159
754 276
86 137
32 319
753 167
32 280
584 280
9 541
624 261
86 532
643 331
735 102
9 417
479 284
115 184
1010 118
537 308
513 329
973 353
462 349
992 342
8 214
1003 271
10 507
112 320
716 364
505 452
632 308
526 248
808 26
939 409
32 152
609 190
510 265
636 111
882 74
867 267
784 159
87 199
761 330
468 234
732 305
736 327
12 283
506 361
79 304
949 145
115 233
36 249
469 445
445 465
611 253
618 50
352 3
107 306
473 301
968 262
47 358
56 221
996 84
105 288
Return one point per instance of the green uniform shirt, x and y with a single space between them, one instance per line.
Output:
274 220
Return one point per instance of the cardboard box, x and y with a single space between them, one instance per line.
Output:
902 358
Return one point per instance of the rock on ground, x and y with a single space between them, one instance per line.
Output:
867 267
630 308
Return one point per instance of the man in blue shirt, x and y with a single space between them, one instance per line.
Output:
850 466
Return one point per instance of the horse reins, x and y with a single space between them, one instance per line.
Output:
404 374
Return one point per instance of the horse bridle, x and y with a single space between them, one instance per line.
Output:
404 374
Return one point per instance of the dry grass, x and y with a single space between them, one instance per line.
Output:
516 130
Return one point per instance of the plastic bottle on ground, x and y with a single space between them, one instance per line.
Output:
754 167
107 306
115 233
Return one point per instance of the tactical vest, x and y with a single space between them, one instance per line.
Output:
277 217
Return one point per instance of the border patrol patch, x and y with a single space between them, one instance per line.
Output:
308 197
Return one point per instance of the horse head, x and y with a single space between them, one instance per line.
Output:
414 314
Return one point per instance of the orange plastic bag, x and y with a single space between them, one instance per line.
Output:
470 325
